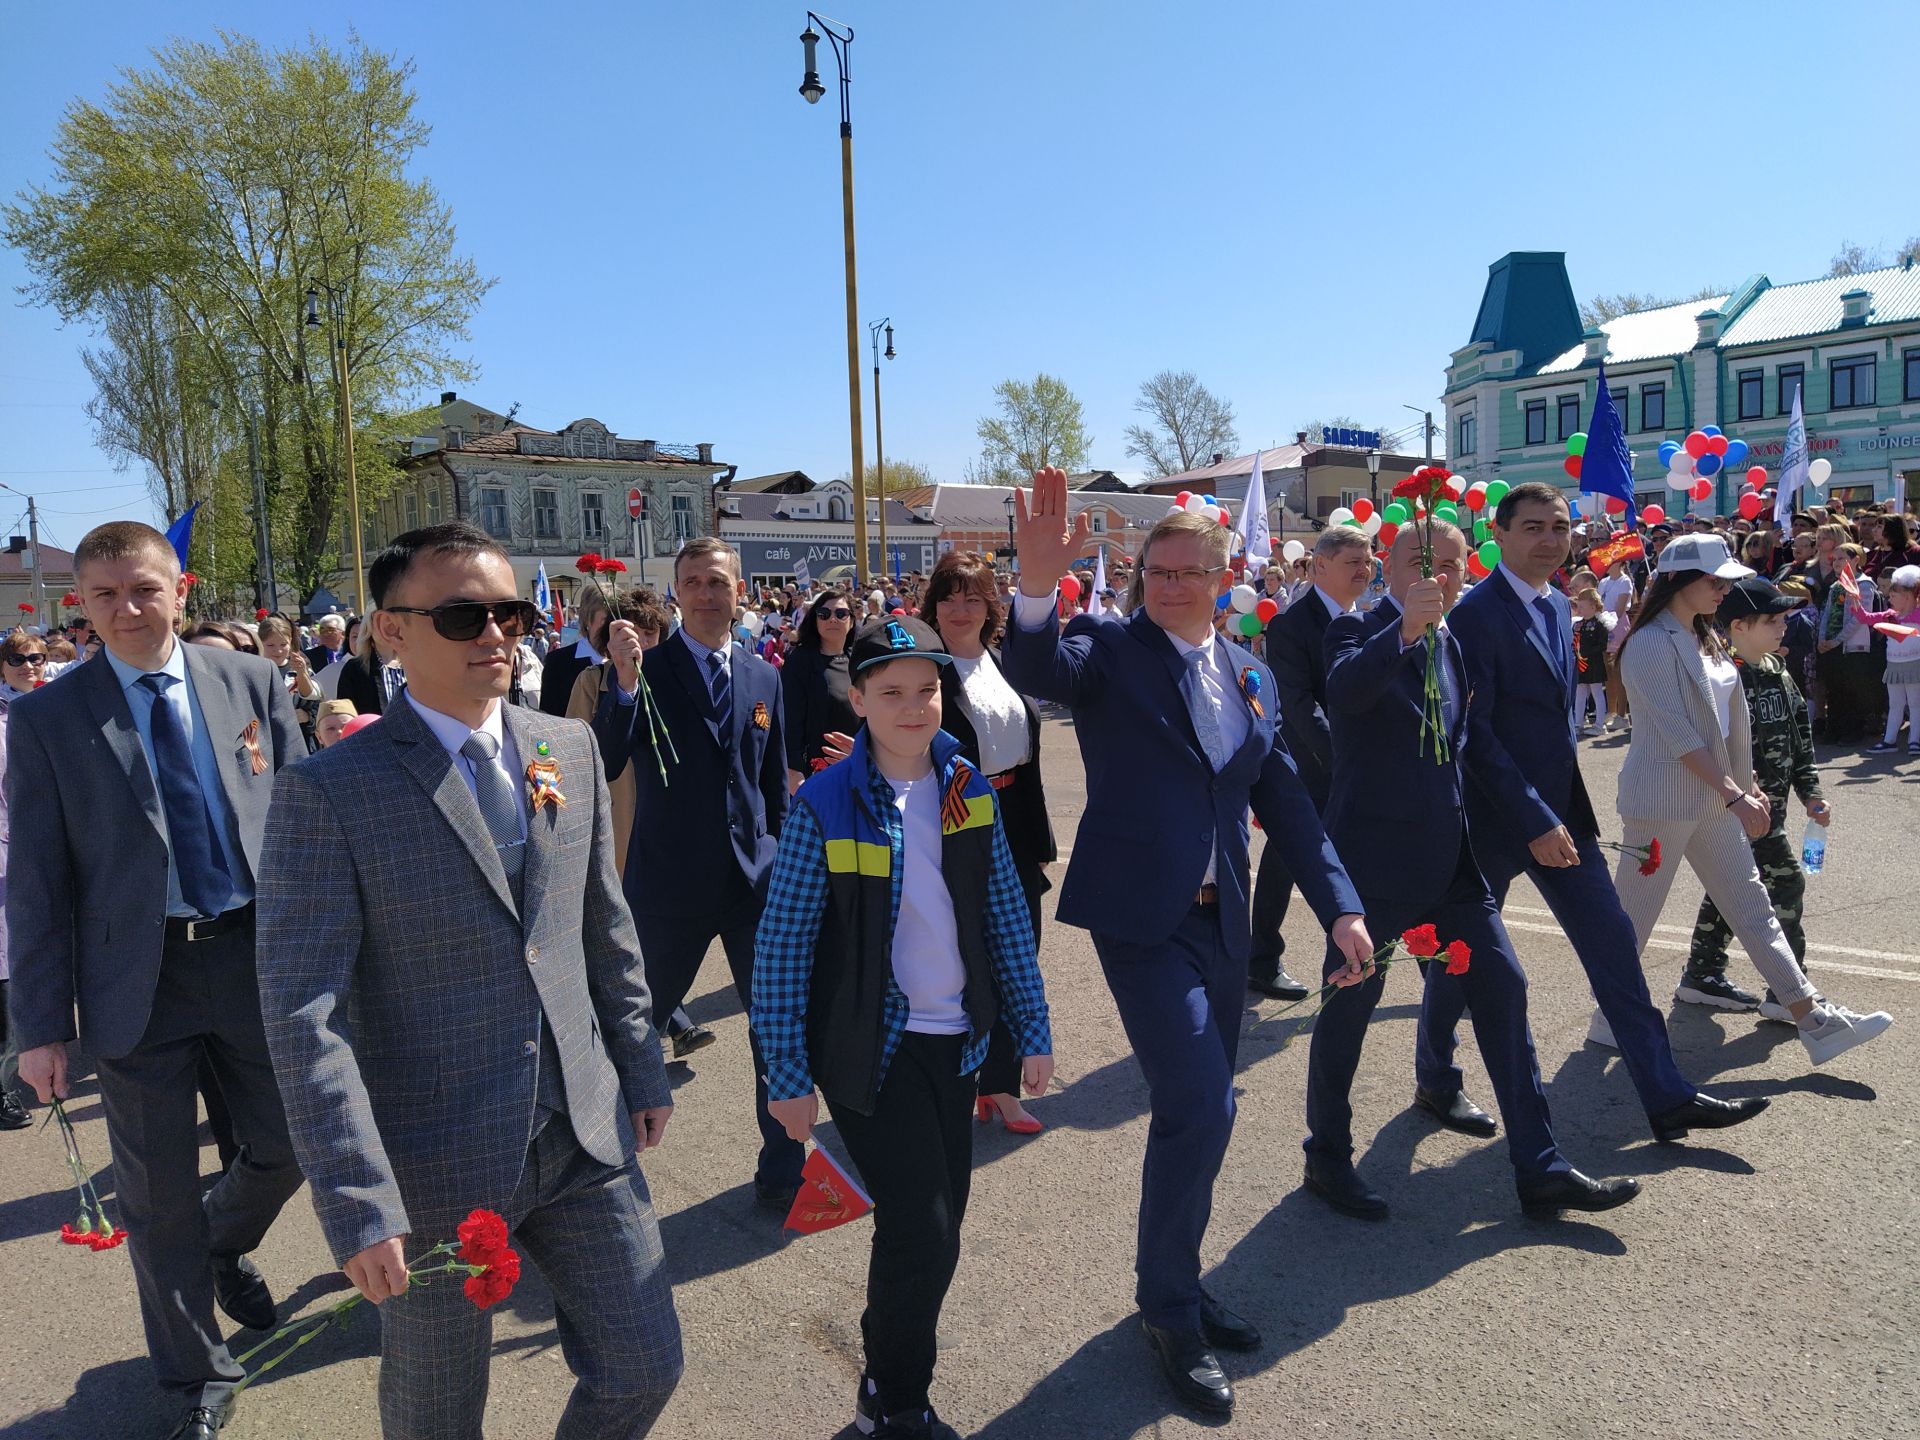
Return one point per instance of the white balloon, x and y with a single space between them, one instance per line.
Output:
1680 480
1339 515
1195 505
751 619
1211 512
1820 471
1293 550
1244 599
1372 524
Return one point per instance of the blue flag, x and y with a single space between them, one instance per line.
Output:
1607 468
180 534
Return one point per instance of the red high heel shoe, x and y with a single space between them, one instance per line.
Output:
984 1110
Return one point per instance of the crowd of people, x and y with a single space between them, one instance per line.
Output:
548 830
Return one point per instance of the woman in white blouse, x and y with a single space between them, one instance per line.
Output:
1687 785
999 732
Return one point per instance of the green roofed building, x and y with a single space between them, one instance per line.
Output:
1525 379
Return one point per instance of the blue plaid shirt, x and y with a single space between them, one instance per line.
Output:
797 901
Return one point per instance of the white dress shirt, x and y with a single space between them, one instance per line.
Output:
454 733
1334 608
1528 594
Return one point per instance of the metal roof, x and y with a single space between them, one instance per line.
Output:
1644 335
1812 307
1281 457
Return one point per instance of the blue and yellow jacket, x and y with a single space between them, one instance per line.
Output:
826 1008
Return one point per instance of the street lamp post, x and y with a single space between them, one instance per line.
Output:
879 451
840 37
1373 475
1012 554
336 322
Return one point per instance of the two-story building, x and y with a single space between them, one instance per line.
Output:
1849 344
779 528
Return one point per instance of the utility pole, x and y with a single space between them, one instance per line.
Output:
266 594
33 555
1426 418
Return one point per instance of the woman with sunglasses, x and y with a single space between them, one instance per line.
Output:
23 667
820 719
999 731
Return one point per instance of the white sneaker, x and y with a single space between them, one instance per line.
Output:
1840 1030
1772 1009
1599 1032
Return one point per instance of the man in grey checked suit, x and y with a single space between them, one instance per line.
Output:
470 1026
138 788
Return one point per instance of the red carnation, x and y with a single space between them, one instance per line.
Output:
1652 862
1423 941
106 1239
483 1235
1457 957
70 1236
191 578
262 613
25 608
588 564
612 566
496 1282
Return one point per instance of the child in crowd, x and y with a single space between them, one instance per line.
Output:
895 931
1903 657
1592 628
1754 617
1617 598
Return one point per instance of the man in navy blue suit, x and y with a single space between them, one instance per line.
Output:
1342 569
1529 810
1395 813
1176 728
710 774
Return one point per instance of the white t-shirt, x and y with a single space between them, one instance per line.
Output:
926 943
999 719
1725 681
1616 593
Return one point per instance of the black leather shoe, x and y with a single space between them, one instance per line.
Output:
1342 1188
1278 986
1547 1195
201 1422
694 1038
1224 1329
1192 1369
1456 1112
13 1115
242 1293
1704 1112
775 1197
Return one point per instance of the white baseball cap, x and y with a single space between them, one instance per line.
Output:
1707 554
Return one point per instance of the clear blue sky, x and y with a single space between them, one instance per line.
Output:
1298 204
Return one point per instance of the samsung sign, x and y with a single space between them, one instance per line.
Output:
1358 439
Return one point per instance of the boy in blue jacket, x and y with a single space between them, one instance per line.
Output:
895 932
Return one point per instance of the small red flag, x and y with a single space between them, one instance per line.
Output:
828 1196
1896 632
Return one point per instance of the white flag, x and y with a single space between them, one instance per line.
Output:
1251 526
1095 605
1793 468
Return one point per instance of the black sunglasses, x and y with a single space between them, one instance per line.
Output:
39 657
834 614
465 619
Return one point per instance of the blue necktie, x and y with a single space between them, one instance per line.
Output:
1206 720
197 856
1555 647
721 688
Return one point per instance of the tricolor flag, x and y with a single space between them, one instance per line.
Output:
1793 468
1252 523
828 1196
543 596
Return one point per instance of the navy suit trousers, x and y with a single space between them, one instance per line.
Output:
1583 900
1180 1003
1494 986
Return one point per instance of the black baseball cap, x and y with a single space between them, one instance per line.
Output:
1753 597
897 637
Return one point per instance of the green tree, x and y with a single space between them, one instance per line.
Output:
1189 424
188 214
901 475
1038 425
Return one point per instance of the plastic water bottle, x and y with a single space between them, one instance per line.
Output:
1813 849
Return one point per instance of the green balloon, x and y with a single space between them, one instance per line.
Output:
1490 554
1448 511
1577 443
1396 513
1482 531
1497 491
1351 521
1249 624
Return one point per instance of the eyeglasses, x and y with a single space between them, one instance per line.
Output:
465 619
39 658
1160 575
835 614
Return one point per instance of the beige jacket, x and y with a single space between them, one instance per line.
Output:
588 686
1673 714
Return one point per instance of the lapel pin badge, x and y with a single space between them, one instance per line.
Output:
251 738
543 779
1250 687
761 719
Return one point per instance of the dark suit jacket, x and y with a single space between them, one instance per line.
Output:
87 888
1156 811
360 684
563 665
1023 804
1296 649
1395 815
319 658
1522 761
723 796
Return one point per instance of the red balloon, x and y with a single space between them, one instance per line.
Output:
1475 498
1454 488
1477 567
1702 490
1225 517
357 724
1387 531
1652 514
1696 444
1362 509
1571 465
1750 505
1757 476
1069 588
1266 609
1717 444
1180 500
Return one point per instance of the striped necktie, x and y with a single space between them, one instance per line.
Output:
720 687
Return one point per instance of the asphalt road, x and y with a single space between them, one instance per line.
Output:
1763 1284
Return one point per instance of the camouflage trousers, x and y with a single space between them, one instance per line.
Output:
1786 886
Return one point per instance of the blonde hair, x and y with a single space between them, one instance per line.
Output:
1214 537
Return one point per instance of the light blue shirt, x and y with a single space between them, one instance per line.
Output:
206 768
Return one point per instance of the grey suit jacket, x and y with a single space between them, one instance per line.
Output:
403 998
87 891
1671 701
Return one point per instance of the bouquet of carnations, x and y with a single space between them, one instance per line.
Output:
1426 490
92 1229
1420 943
